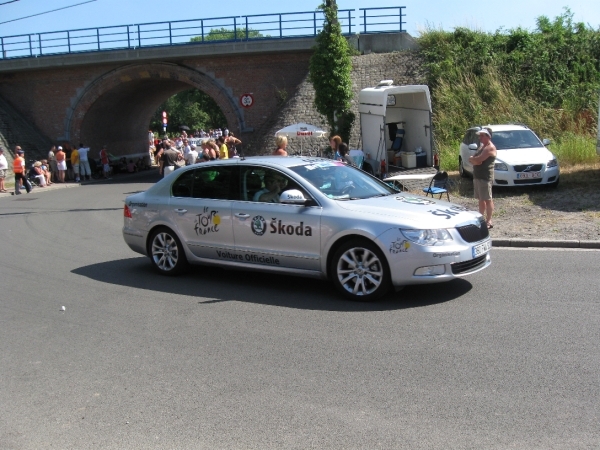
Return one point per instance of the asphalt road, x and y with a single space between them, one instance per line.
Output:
507 358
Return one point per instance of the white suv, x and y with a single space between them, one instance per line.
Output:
522 159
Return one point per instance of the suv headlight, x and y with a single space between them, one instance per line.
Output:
552 163
427 237
500 166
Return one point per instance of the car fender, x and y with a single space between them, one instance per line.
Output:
359 232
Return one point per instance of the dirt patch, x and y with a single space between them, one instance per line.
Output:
569 211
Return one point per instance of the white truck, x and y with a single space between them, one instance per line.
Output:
396 120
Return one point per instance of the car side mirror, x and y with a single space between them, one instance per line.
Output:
546 142
292 197
472 146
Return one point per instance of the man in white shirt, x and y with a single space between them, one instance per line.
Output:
192 155
84 164
3 170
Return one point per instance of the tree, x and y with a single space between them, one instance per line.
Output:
329 72
192 108
226 34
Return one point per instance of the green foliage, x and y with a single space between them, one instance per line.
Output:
192 108
548 78
329 73
227 34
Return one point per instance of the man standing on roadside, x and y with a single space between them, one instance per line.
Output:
75 163
483 174
168 160
61 164
3 170
19 168
105 162
52 162
84 164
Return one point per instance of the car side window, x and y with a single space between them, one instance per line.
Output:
182 187
466 140
216 182
473 138
264 185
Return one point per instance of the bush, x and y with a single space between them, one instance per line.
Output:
548 79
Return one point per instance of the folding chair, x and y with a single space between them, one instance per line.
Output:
398 141
438 185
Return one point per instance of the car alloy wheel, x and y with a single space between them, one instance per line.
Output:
166 252
360 271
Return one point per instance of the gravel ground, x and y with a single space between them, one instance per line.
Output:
569 211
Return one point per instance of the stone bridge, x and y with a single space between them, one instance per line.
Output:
109 97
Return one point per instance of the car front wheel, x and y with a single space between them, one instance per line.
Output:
359 271
166 252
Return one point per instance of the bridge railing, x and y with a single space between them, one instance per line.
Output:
217 29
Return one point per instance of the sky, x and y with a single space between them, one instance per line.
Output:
480 15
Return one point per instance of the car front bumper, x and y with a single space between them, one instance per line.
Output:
509 177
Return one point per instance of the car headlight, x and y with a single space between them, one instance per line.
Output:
552 163
427 237
500 166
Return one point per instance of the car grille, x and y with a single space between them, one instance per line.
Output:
528 181
468 266
532 167
474 233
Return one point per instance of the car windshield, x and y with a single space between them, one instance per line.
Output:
515 139
341 182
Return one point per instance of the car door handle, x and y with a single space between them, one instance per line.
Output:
242 215
180 211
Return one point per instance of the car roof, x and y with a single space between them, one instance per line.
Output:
275 161
503 127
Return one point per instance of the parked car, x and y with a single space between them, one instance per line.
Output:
523 158
304 216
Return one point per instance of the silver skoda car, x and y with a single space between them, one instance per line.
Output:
304 216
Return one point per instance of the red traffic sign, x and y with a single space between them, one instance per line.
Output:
165 114
165 120
246 100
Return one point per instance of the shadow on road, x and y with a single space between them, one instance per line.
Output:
221 285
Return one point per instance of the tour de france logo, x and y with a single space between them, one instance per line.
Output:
207 222
258 225
399 246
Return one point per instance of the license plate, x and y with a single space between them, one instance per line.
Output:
522 175
482 249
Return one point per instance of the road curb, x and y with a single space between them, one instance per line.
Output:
546 243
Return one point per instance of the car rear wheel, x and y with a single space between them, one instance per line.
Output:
359 271
166 252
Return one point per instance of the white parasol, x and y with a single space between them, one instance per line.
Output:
302 131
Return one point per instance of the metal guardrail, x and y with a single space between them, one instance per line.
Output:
217 29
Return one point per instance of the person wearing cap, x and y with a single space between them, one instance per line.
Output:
483 174
3 169
192 155
19 168
61 164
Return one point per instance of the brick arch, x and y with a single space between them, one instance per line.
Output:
116 108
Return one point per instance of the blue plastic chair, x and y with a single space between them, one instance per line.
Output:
397 144
438 185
